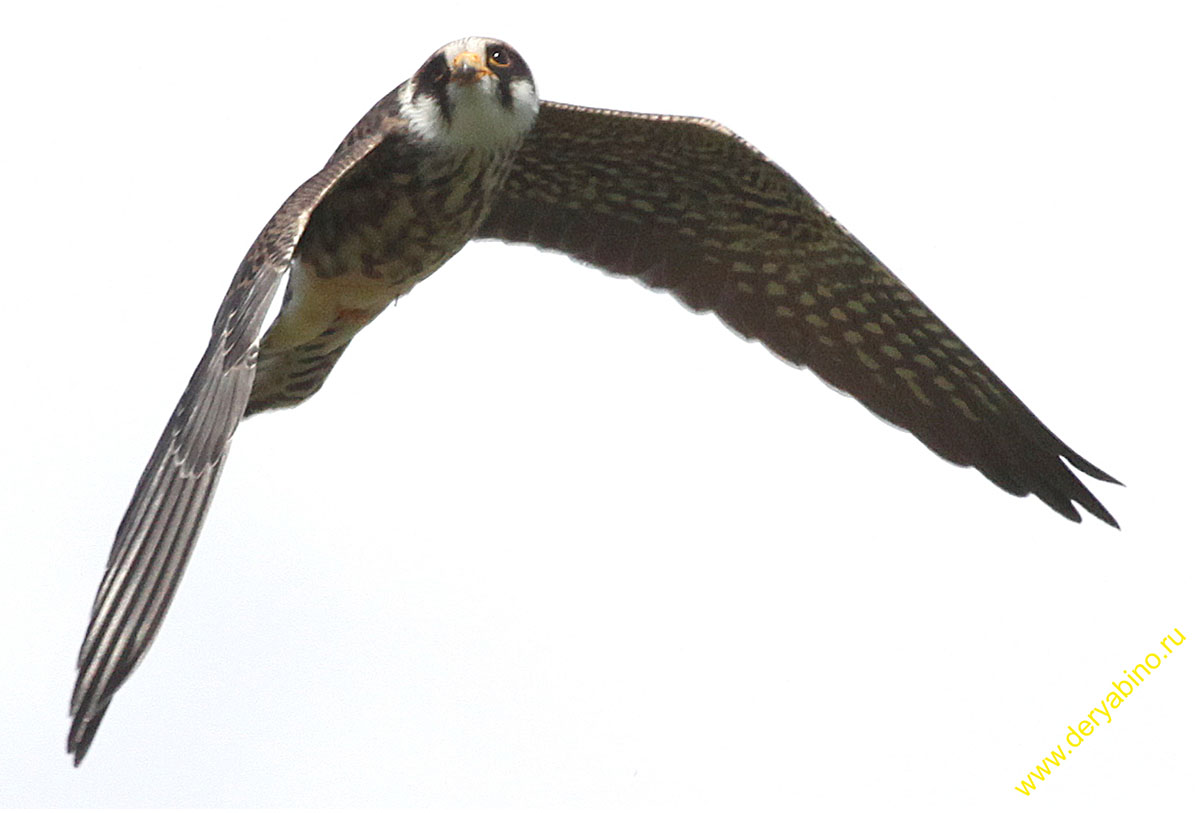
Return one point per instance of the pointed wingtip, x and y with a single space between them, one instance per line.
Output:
83 731
1103 515
1088 501
1090 469
77 747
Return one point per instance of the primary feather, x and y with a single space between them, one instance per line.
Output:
681 204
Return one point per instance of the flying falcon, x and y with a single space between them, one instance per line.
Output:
464 150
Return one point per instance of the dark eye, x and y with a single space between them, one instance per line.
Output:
498 57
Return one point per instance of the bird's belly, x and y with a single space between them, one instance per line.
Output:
350 294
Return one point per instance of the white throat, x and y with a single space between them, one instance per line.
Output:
477 119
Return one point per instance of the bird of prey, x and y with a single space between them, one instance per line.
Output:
466 150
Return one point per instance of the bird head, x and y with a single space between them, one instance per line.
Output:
473 92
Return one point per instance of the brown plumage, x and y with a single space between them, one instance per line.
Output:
681 204
684 205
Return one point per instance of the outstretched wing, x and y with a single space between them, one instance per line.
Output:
160 526
686 206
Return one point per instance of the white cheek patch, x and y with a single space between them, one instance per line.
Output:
425 117
525 104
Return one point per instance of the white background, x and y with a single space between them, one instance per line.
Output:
547 537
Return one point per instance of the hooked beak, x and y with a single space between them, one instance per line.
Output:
468 69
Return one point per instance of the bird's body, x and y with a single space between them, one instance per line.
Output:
392 222
406 208
466 150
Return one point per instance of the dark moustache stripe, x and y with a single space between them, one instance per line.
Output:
434 80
